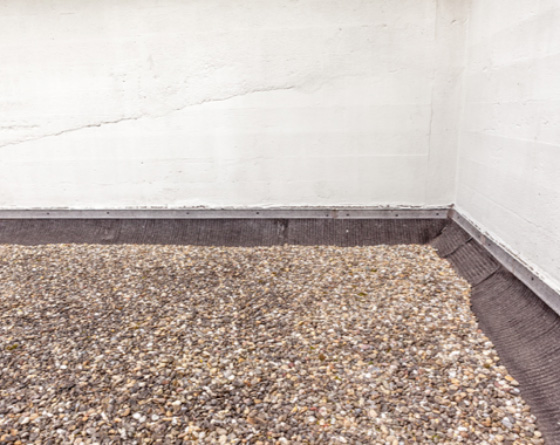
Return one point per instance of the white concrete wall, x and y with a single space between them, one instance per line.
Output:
509 163
171 103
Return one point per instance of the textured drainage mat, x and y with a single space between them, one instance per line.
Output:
525 332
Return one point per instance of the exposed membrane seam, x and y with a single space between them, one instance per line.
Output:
487 278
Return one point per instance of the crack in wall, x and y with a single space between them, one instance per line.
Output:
148 116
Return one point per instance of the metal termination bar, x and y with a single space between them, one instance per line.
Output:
233 213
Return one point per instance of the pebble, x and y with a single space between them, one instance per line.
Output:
288 344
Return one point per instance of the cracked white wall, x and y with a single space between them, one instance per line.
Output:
509 164
120 104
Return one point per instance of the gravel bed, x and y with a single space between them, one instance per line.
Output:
266 345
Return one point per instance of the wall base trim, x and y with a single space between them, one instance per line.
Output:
236 213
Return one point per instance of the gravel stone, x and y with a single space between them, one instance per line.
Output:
269 345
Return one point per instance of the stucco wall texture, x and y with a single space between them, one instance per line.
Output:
509 162
219 103
174 103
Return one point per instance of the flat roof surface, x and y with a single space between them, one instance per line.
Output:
523 329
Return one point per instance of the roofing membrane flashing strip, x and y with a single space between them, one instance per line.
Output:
222 232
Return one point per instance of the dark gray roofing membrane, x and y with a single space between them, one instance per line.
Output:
221 232
524 330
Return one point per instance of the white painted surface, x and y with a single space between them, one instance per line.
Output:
169 103
509 163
